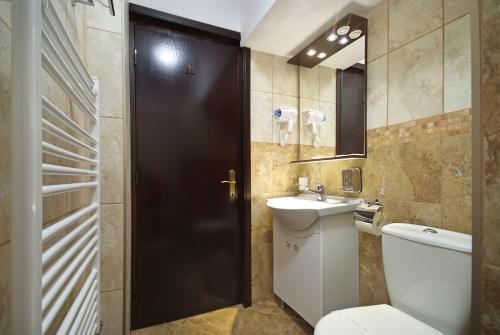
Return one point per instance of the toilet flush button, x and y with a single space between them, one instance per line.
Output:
430 230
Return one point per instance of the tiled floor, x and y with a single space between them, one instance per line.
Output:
265 318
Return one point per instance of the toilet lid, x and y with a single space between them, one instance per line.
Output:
372 320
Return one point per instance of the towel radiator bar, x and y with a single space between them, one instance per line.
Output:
55 265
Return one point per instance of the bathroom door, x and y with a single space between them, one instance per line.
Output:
187 233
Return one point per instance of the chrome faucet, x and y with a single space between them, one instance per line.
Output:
320 191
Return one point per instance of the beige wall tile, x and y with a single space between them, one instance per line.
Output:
112 252
426 214
285 101
378 25
285 77
112 312
111 160
372 287
75 27
455 8
261 71
410 19
104 57
98 17
5 184
415 82
5 56
309 83
457 65
420 161
327 84
5 270
457 218
377 93
262 168
261 116
5 12
490 314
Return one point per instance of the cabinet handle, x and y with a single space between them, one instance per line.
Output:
295 247
288 244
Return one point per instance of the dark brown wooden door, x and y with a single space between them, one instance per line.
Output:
187 136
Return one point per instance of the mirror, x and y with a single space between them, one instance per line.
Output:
332 90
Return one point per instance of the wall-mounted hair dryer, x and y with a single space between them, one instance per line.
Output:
314 118
286 117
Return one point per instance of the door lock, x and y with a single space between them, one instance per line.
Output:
233 195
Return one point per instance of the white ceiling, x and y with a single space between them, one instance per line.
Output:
290 25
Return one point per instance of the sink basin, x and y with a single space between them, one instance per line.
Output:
300 212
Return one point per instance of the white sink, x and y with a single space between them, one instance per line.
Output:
300 212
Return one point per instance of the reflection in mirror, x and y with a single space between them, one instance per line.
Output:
332 113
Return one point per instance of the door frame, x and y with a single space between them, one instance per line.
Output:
144 15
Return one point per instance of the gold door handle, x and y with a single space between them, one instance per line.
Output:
233 195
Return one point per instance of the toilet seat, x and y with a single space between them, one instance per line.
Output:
372 320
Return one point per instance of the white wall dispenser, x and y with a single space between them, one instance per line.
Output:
286 117
314 118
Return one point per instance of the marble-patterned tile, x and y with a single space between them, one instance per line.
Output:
284 174
309 82
75 27
415 82
410 19
267 318
112 312
455 8
378 25
281 128
262 264
422 164
261 168
98 17
5 12
5 56
372 287
457 65
285 77
490 301
457 218
457 149
111 172
5 270
261 116
5 179
425 214
104 57
377 93
261 71
327 84
112 251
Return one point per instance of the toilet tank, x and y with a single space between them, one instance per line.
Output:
428 275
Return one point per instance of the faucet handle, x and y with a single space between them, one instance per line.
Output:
319 186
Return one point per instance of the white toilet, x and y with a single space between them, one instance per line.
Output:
428 275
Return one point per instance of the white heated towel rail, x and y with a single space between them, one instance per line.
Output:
55 265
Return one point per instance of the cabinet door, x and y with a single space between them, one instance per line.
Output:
297 272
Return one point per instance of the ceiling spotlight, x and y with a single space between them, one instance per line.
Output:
355 34
321 55
332 37
344 40
311 52
343 30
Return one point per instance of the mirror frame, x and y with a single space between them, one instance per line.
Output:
337 110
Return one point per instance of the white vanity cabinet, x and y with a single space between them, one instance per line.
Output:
316 269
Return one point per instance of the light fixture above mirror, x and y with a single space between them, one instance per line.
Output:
347 30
